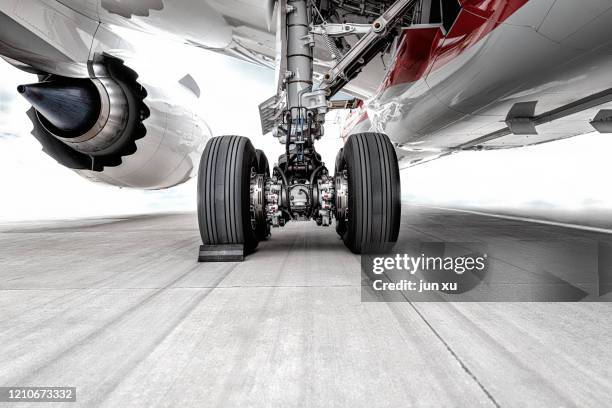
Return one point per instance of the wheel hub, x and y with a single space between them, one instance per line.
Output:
342 195
258 203
274 197
327 192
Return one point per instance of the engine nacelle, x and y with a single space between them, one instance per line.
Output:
114 129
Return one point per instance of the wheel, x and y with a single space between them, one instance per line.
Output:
369 170
224 183
262 228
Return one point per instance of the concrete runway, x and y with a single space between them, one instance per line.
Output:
120 309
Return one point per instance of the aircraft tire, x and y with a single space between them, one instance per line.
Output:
224 182
374 192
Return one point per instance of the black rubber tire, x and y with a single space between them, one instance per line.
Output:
262 230
339 158
374 212
224 182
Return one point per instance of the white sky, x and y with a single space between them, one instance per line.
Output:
565 174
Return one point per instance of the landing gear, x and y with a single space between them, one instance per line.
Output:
240 201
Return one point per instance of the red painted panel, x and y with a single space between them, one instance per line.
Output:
414 55
497 10
424 49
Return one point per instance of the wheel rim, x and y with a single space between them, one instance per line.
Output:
258 204
342 196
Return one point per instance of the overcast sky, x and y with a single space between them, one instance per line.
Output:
567 174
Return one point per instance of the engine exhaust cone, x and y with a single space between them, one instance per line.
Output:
71 106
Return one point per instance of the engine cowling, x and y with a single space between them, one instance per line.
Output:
113 129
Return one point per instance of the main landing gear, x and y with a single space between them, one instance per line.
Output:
240 201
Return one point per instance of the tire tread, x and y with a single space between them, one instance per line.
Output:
374 191
223 199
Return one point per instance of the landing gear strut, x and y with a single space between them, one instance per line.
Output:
239 201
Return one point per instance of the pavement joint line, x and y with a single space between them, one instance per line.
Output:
455 355
523 219
450 350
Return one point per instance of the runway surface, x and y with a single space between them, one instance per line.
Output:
119 309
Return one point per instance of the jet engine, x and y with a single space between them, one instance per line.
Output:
113 129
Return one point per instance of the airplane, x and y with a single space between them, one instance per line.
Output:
420 80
